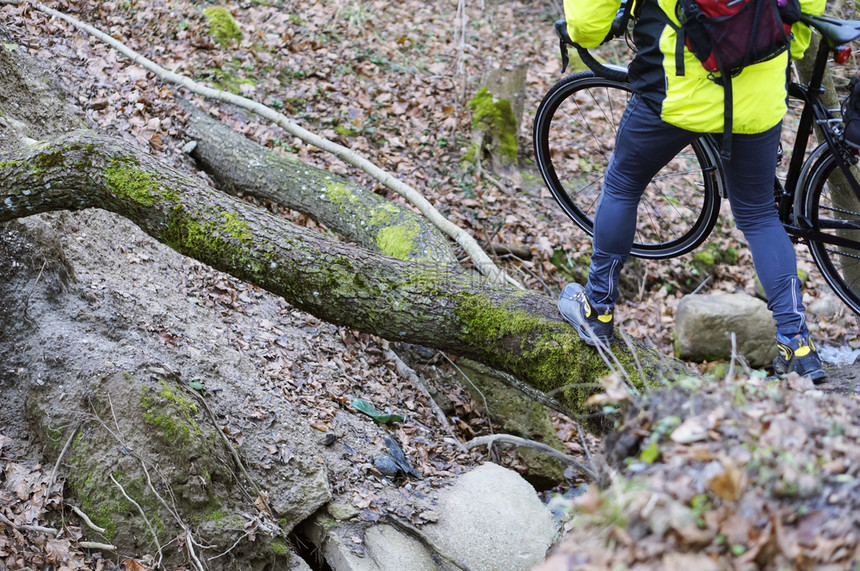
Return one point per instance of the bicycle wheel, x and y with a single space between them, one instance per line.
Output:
574 135
832 208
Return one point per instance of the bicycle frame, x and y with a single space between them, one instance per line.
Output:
814 114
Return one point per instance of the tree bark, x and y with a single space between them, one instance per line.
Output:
417 302
243 167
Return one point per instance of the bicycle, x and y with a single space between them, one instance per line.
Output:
819 204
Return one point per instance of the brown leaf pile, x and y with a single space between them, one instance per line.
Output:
32 510
750 474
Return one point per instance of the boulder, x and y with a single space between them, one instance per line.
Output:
489 519
704 324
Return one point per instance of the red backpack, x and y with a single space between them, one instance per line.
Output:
729 35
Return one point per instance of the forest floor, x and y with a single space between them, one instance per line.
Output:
763 474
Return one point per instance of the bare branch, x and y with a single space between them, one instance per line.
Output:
548 450
480 258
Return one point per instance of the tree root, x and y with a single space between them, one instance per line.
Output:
587 471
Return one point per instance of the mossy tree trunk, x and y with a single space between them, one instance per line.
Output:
497 110
243 167
518 332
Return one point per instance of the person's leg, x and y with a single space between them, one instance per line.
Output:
749 178
644 145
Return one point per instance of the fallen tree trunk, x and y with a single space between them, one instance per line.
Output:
243 167
418 302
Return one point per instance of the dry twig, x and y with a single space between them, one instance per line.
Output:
36 528
406 371
540 446
142 514
86 519
60 457
96 545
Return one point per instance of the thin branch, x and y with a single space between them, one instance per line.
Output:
60 457
548 450
33 288
731 372
481 260
407 372
536 395
468 380
232 547
36 528
142 514
230 447
88 521
95 545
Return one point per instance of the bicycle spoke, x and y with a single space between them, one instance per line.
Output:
833 210
575 130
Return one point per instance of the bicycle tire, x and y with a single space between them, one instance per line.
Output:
574 134
826 205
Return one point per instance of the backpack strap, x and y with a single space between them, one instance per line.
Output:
680 41
725 80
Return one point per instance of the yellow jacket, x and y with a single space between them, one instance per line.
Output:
691 100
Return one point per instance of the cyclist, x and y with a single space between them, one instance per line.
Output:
674 102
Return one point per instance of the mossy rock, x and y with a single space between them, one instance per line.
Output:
520 416
148 418
222 25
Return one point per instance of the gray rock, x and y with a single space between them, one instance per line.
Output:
490 519
704 323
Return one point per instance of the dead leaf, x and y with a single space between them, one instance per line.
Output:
797 383
590 501
134 565
731 483
615 391
689 562
693 429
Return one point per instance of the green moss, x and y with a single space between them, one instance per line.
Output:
344 131
398 241
471 154
55 436
544 357
45 161
222 25
704 257
279 548
488 321
496 116
130 182
227 80
171 414
223 233
339 193
385 213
